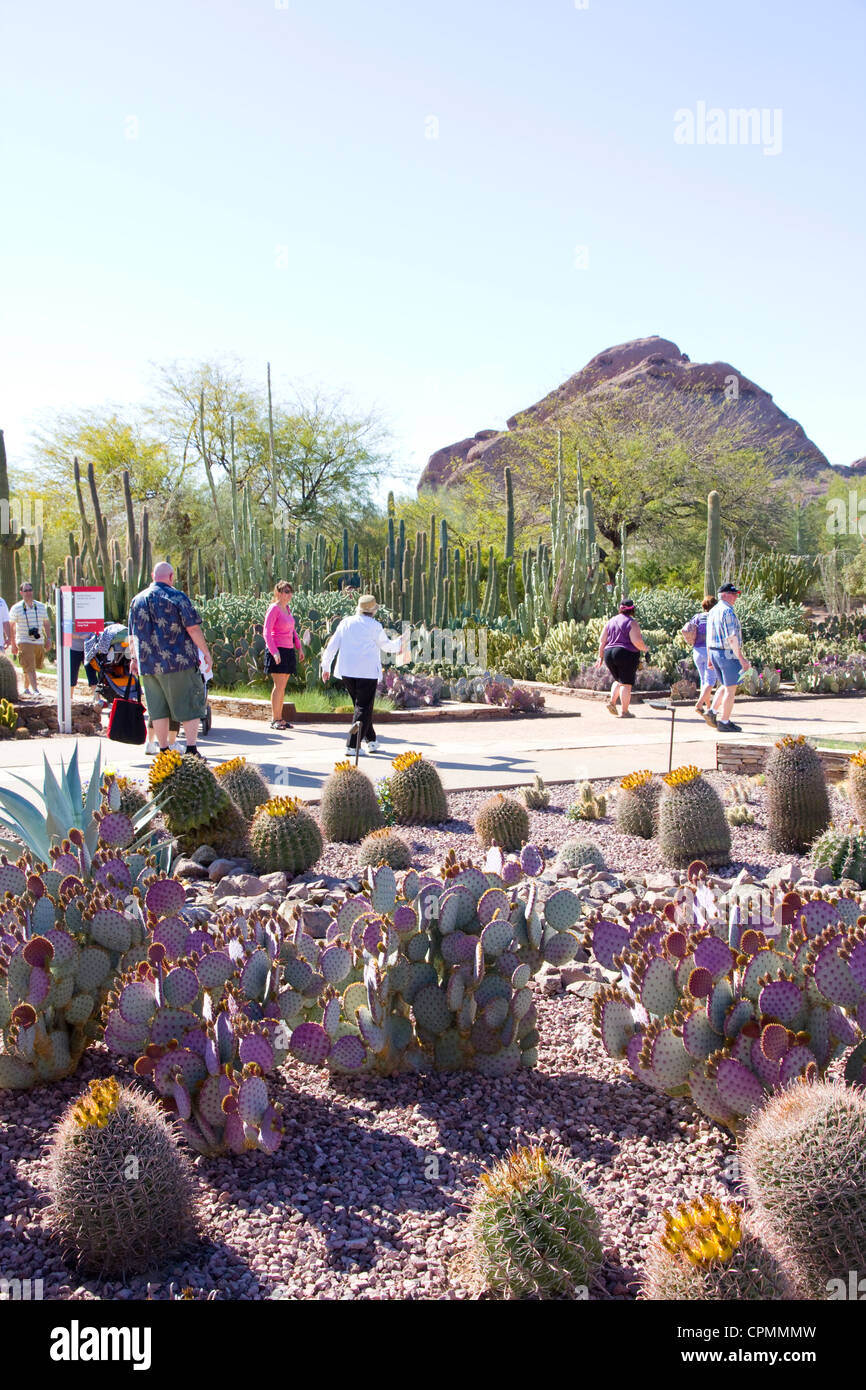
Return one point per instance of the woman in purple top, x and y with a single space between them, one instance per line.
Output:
619 650
696 629
283 648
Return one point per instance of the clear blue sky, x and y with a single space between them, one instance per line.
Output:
432 278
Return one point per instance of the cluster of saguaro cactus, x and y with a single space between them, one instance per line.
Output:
798 805
66 932
119 1185
726 1014
97 558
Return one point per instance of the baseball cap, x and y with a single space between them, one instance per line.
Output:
730 589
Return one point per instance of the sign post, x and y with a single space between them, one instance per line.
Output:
80 610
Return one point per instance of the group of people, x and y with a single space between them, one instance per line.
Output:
170 655
715 635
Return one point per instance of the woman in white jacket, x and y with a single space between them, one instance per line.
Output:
357 644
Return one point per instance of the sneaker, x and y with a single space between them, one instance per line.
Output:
711 718
728 727
151 748
371 745
611 708
626 714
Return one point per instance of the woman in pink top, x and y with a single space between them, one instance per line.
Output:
282 642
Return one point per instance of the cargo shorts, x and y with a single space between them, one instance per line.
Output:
179 695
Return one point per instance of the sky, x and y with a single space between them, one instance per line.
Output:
439 210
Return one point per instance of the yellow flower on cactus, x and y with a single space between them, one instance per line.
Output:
343 766
281 806
790 740
682 775
95 1108
636 779
858 759
404 760
163 765
232 765
703 1231
517 1171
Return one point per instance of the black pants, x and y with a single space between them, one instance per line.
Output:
363 691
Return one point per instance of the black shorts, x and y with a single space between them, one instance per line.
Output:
622 664
287 664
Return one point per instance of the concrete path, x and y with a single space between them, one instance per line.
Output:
477 754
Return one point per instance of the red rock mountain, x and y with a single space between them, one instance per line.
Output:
643 367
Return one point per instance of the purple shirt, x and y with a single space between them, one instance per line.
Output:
618 632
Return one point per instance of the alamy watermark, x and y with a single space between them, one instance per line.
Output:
737 126
17 515
847 516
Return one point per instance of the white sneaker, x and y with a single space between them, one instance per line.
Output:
151 748
371 745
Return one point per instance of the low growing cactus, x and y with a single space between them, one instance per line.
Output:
8 719
197 810
535 797
284 836
588 805
245 785
533 1228
704 1251
798 806
384 846
691 821
502 821
8 680
577 854
349 809
740 814
804 1163
416 792
856 784
843 852
637 804
120 1187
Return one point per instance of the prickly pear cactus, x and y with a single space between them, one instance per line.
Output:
728 1015
65 935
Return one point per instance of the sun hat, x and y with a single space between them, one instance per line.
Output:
367 603
627 605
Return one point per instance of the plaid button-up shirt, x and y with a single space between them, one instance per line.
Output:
722 625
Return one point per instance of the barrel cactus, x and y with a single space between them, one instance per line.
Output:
196 808
704 1251
245 785
804 1163
843 852
132 795
533 1228
284 836
578 854
384 846
416 792
637 804
691 821
349 807
798 806
120 1187
502 821
8 680
856 785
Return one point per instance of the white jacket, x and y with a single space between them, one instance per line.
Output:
358 644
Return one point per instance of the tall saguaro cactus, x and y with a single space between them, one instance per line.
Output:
713 556
9 541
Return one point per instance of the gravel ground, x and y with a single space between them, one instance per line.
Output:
367 1197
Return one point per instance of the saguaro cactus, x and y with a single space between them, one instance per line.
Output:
713 556
9 541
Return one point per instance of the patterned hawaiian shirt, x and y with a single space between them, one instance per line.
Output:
158 619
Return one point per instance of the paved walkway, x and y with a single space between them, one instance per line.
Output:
479 753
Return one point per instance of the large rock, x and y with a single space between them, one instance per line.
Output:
644 367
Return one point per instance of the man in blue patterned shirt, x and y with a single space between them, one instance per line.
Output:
725 657
165 627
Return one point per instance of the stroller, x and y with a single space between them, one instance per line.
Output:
108 654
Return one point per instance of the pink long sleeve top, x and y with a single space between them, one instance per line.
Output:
279 630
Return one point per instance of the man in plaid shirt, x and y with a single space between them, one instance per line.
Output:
725 657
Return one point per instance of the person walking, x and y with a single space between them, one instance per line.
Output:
695 633
30 635
165 627
357 644
619 649
5 626
284 648
725 658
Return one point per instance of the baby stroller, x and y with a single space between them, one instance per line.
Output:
108 654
